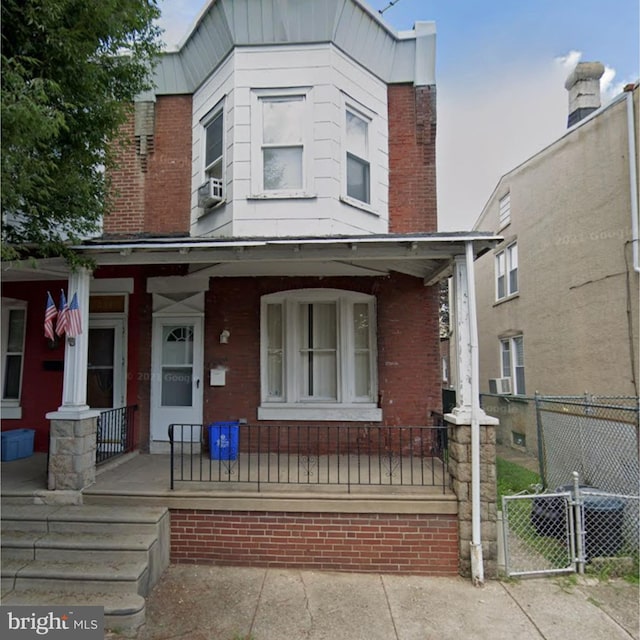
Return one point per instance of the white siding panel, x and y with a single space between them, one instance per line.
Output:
331 74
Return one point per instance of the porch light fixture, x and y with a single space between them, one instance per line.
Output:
224 337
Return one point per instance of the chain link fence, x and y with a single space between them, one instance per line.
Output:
597 436
576 528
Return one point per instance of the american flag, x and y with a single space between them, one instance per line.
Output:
50 314
63 315
74 321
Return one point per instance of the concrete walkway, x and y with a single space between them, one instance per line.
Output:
222 603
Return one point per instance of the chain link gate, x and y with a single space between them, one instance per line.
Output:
570 529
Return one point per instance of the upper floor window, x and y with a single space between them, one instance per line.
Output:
14 315
512 362
507 272
213 146
504 210
211 192
281 143
357 158
318 355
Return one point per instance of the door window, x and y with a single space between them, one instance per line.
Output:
177 366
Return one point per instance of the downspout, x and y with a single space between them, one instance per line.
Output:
477 567
633 178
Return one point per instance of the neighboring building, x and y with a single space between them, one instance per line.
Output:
273 257
558 297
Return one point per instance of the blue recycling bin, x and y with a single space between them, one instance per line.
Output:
224 440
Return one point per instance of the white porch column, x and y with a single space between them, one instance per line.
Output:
72 438
472 433
462 340
76 350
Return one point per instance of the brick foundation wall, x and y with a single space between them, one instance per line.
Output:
389 543
412 158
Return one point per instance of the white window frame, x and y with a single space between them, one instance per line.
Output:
11 407
506 266
504 210
508 369
258 96
291 405
360 111
217 111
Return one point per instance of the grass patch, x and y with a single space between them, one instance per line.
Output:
513 478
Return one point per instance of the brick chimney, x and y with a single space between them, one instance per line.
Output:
583 85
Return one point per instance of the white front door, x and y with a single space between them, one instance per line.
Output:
176 375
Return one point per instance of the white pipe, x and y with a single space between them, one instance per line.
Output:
633 180
477 567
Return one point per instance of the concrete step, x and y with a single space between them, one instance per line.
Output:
92 547
122 611
84 554
90 577
81 518
19 545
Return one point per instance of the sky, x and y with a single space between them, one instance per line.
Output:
500 72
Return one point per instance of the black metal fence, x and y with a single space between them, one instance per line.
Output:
115 435
346 456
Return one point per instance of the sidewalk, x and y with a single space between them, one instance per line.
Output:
198 602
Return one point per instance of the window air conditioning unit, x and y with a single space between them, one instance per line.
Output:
500 386
210 193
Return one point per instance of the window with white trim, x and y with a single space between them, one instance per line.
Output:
318 355
504 210
14 316
357 157
512 362
281 143
507 272
211 192
214 144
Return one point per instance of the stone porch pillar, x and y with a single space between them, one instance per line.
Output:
472 438
73 430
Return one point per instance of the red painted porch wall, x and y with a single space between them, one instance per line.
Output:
384 543
41 389
408 360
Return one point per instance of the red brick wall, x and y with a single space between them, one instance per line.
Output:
127 214
168 179
408 344
412 159
389 543
153 195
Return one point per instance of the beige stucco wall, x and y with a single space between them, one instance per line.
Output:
578 293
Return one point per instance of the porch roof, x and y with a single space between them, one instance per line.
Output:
424 255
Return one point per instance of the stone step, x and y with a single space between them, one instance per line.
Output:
109 556
122 611
90 577
81 518
19 545
61 547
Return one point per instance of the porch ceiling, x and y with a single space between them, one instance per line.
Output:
426 256
35 270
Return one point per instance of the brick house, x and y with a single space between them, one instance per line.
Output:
273 260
